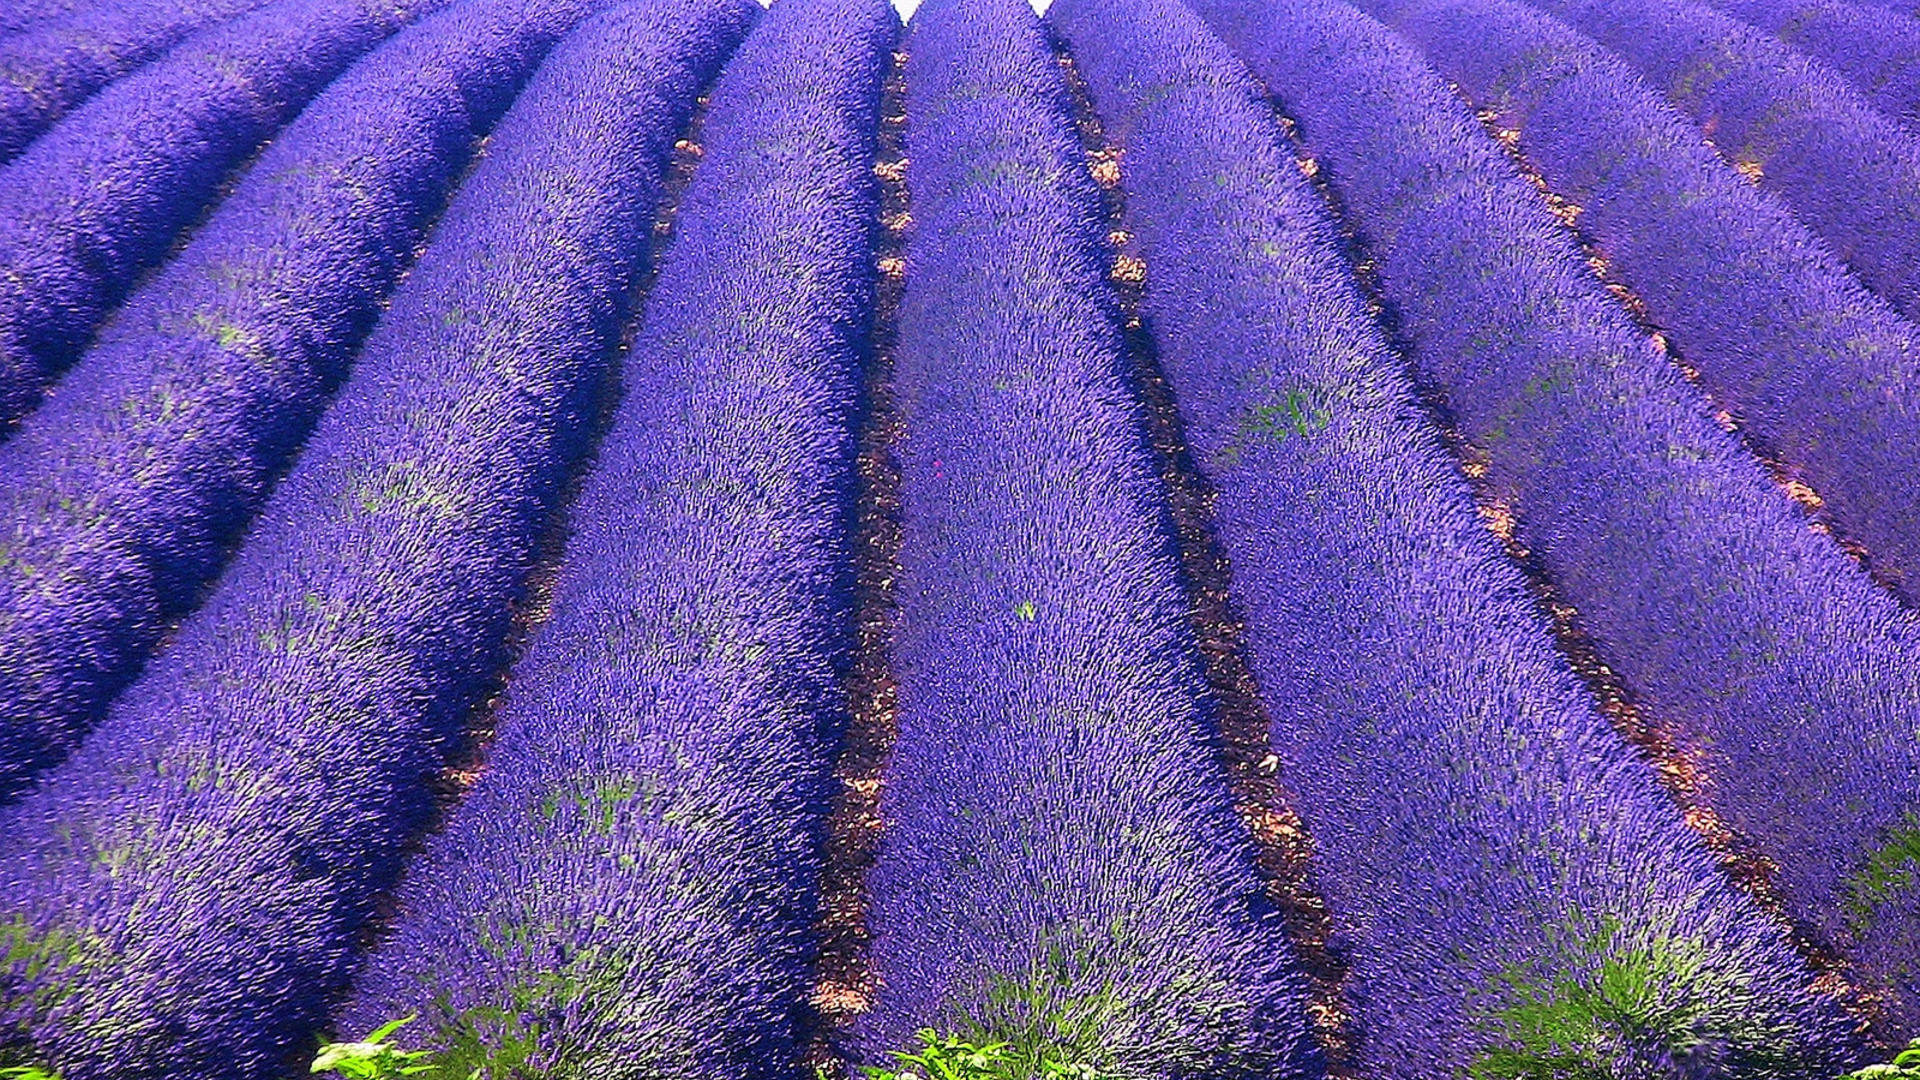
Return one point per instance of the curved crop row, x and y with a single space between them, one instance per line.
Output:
1821 372
1792 123
102 197
120 497
183 895
1877 49
1062 867
1909 8
1806 739
24 15
628 891
55 65
1490 850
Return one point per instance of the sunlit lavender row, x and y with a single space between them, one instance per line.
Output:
1143 540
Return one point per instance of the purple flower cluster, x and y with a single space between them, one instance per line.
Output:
1795 125
628 891
1491 852
1822 374
183 896
22 15
1795 680
60 62
120 497
1878 50
103 195
1062 867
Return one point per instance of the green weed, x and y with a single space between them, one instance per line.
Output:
373 1058
1904 1066
1888 873
953 1057
1609 1000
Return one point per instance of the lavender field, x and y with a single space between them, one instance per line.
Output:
1149 540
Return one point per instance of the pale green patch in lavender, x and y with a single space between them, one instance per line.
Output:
1297 413
1888 873
1604 1000
485 1042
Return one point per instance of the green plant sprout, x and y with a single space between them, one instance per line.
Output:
1904 1066
32 1072
951 1057
1610 1000
373 1058
1889 871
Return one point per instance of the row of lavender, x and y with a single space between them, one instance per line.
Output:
1049 677
103 195
1489 848
1779 657
187 893
125 492
629 891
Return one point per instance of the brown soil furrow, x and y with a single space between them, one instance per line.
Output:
1283 848
844 984
1678 769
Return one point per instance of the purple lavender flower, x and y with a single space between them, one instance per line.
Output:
57 63
120 497
1062 867
1498 865
1819 371
1877 49
103 196
183 896
23 15
628 891
1792 680
1793 124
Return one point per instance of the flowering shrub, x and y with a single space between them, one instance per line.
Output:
185 894
1848 171
628 892
1473 815
121 498
103 195
1777 330
55 63
1062 870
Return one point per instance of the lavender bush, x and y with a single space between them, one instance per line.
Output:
1818 371
1848 171
57 63
22 15
1878 50
183 896
1062 868
103 196
628 892
120 498
1795 681
1517 896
